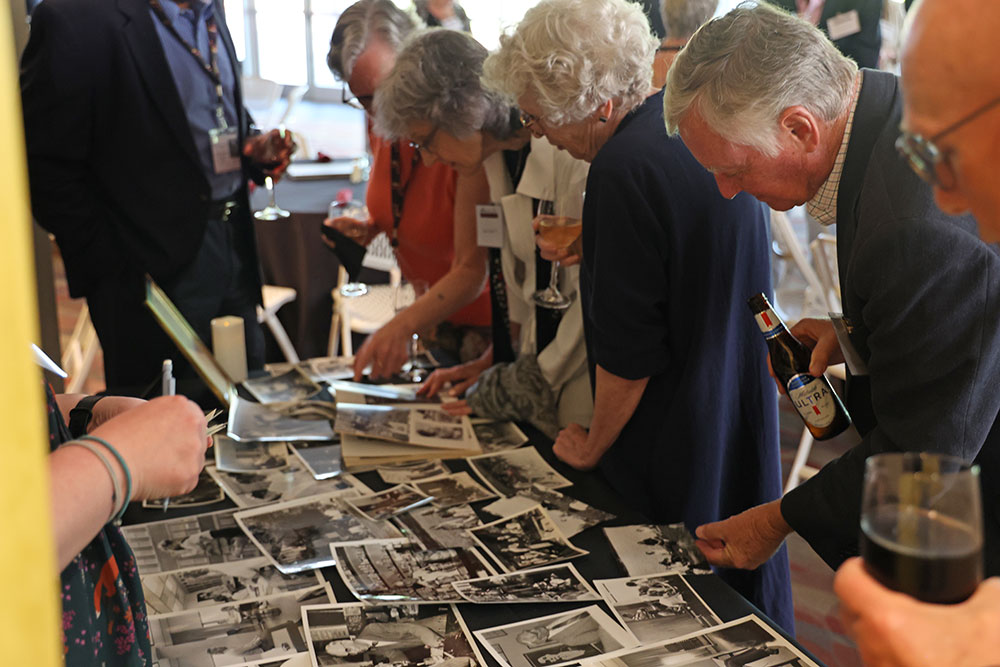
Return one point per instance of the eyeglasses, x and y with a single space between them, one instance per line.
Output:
931 163
527 119
424 145
364 102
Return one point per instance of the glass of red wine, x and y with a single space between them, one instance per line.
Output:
922 526
272 211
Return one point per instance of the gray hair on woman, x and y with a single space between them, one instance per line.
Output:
356 27
740 71
572 56
682 18
437 79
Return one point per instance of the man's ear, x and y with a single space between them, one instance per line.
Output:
801 126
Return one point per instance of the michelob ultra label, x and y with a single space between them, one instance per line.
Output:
768 322
813 398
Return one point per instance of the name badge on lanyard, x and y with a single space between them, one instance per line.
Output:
843 25
489 226
225 143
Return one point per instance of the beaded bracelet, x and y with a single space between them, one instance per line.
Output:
128 475
116 489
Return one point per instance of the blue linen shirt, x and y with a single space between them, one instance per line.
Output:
196 89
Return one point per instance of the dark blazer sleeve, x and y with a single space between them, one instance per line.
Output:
931 295
58 87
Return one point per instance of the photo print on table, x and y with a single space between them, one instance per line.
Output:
233 634
555 583
297 660
297 535
745 641
322 460
232 456
403 635
293 385
330 369
419 425
293 482
189 541
559 639
658 606
401 473
456 489
570 515
498 436
525 541
405 572
384 504
205 492
172 593
510 472
440 527
255 422
647 549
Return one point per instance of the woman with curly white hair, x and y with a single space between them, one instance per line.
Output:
685 415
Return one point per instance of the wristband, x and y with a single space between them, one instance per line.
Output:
116 489
81 414
128 475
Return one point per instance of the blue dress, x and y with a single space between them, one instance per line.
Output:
668 265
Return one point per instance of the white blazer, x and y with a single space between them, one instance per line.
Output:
554 175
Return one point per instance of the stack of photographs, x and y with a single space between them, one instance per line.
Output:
511 472
417 425
297 535
456 489
525 541
560 639
384 504
205 492
289 387
646 549
413 471
656 607
322 460
498 436
555 583
440 527
256 422
404 635
232 456
394 573
571 516
746 641
253 489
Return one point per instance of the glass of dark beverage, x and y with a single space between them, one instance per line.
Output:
922 526
404 296
272 211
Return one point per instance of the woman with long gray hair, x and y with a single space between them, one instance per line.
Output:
685 415
536 370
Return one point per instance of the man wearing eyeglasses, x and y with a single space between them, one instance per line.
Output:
950 125
791 121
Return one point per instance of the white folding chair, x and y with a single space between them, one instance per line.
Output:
79 352
274 297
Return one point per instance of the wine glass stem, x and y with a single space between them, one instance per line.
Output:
554 277
269 184
413 352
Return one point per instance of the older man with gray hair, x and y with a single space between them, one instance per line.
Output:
767 104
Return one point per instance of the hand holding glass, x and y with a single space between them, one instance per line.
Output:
272 158
351 219
560 231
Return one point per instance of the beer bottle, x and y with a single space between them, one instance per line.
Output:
813 397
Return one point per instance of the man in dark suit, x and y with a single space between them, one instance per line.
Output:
138 161
852 25
918 288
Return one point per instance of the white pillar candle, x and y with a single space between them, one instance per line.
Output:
229 346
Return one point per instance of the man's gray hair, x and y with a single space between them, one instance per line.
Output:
742 70
356 27
682 18
437 80
572 56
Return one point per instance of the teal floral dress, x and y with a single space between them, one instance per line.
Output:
103 610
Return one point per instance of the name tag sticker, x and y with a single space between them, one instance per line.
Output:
843 25
489 226
225 149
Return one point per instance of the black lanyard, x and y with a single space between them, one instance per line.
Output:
398 188
210 68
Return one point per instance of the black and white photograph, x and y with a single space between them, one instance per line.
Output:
570 515
298 660
420 425
657 606
559 639
233 634
330 369
297 535
249 421
291 386
393 573
189 541
253 489
510 472
171 593
384 504
347 391
525 541
740 643
440 527
232 456
498 436
403 635
647 549
456 489
322 460
555 583
205 492
415 471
